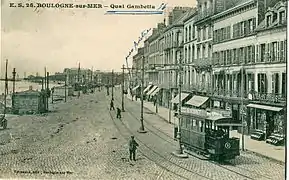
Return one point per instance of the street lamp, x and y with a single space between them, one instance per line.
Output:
179 152
142 130
78 80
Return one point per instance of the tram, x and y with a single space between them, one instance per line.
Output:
208 135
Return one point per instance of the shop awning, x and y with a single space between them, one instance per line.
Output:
197 101
152 90
135 88
147 88
156 91
176 99
269 108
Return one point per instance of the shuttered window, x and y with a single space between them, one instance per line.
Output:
253 54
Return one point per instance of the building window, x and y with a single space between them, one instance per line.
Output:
229 60
209 32
193 53
282 18
262 53
186 34
189 54
204 33
234 56
274 51
284 83
268 20
250 25
282 51
190 33
242 28
241 59
193 31
275 83
229 32
262 83
249 60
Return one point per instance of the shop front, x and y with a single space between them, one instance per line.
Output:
267 123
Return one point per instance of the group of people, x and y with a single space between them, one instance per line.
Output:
118 111
132 143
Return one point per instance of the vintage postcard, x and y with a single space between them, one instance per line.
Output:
143 89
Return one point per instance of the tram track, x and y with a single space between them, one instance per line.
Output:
171 140
154 156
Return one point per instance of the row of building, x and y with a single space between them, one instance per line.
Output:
232 55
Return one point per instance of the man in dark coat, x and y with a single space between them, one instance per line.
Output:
111 105
118 113
132 148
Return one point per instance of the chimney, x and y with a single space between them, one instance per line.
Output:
30 88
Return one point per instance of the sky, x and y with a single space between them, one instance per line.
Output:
60 38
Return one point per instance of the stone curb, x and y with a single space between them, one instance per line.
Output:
264 156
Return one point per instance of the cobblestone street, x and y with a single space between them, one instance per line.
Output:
76 140
79 140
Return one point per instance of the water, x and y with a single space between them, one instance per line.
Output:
22 86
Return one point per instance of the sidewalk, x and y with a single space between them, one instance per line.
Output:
258 147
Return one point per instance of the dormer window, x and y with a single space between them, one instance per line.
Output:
269 20
282 18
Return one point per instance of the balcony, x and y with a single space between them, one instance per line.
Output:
269 97
204 14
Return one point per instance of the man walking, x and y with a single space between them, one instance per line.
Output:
118 113
111 105
132 148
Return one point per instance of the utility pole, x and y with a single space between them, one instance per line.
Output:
122 90
179 152
78 80
6 87
14 76
45 78
142 130
65 88
170 99
47 90
112 84
242 107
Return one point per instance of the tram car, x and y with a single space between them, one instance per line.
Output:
208 135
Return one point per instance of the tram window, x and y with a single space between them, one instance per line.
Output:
194 124
202 126
187 123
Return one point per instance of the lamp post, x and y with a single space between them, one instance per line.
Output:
122 90
78 80
242 107
142 130
179 152
170 99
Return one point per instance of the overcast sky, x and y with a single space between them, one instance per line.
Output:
59 38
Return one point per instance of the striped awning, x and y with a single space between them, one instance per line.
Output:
147 88
176 99
156 91
152 90
135 88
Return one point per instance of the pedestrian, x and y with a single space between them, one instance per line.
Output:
118 113
132 148
111 105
